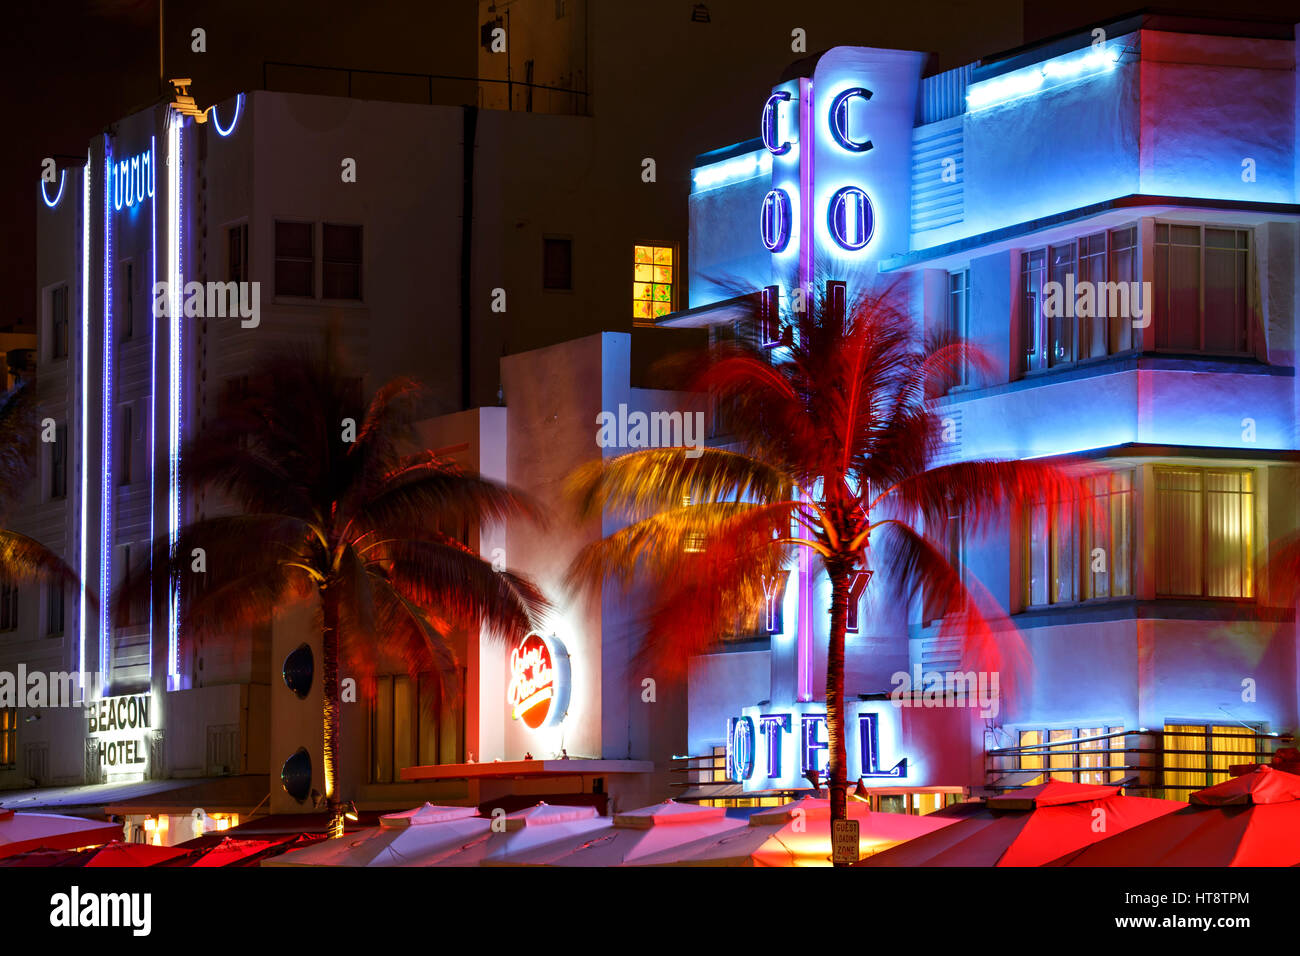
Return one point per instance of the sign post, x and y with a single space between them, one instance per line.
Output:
844 841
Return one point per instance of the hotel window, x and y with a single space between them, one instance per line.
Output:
59 323
8 737
8 606
59 463
412 724
557 264
237 253
1205 532
1071 755
1199 755
950 542
1202 277
126 323
958 318
652 282
1080 549
295 258
54 610
341 267
1075 299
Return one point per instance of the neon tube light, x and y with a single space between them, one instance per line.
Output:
85 416
174 276
106 426
59 195
1042 76
216 123
153 394
732 170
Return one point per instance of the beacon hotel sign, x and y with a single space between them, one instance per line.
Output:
121 730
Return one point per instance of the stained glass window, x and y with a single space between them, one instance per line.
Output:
652 282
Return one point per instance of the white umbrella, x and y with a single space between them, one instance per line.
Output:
401 839
629 837
521 832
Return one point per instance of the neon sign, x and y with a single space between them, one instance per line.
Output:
839 120
850 218
131 180
775 748
771 124
775 220
57 196
122 727
539 682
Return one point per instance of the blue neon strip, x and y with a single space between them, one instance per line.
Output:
216 123
59 195
106 427
85 417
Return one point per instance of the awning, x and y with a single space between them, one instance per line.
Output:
20 832
225 794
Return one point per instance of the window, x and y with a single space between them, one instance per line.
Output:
59 463
54 608
1205 532
1201 282
237 253
652 282
1073 754
59 323
950 542
341 270
127 321
1198 756
8 737
125 443
957 327
1076 299
8 606
557 264
1080 549
295 259
412 724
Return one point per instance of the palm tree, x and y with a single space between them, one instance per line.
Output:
333 500
834 452
23 559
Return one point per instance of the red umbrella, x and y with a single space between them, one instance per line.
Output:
226 853
118 853
1027 827
1251 820
43 856
20 832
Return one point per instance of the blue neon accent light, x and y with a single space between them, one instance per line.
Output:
839 119
771 124
1039 77
774 220
851 218
57 196
216 122
111 201
85 417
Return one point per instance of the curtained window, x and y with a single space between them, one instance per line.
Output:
1199 755
1202 277
1205 532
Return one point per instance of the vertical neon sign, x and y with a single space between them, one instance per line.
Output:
153 387
106 429
175 284
85 417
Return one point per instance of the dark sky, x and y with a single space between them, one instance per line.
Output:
73 68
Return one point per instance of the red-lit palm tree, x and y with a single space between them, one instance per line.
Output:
334 500
835 441
22 559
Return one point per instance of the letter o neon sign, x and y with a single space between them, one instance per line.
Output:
851 218
774 222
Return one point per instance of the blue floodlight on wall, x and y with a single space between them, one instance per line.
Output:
1041 76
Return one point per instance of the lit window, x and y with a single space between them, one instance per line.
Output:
1080 549
1205 533
412 723
652 282
1073 754
8 737
1198 756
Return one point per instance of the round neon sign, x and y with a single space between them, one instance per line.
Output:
539 682
774 221
850 218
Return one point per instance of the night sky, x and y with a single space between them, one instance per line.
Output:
74 68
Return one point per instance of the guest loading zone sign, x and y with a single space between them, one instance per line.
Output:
775 747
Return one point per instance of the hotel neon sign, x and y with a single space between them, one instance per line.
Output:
777 747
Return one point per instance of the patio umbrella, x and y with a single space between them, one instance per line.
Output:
20 831
226 853
1027 827
118 853
524 830
1251 820
797 834
42 856
401 839
629 837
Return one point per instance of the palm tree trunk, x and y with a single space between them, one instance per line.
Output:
329 601
838 768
